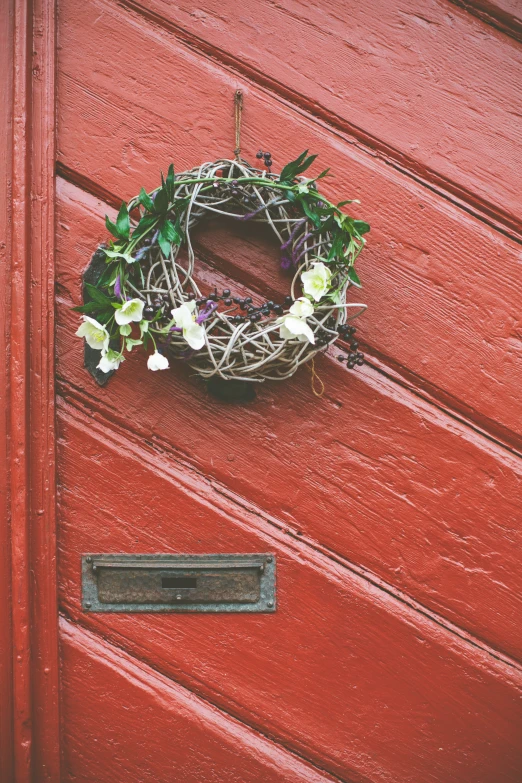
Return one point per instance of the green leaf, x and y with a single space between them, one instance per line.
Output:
125 329
89 307
123 222
171 233
169 182
354 277
361 227
130 343
311 214
323 174
145 224
96 295
112 227
127 256
164 244
161 202
146 200
336 248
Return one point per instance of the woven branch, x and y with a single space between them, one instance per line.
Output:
252 350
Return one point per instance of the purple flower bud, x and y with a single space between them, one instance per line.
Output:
117 288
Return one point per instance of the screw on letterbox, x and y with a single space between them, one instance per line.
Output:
269 559
88 604
88 559
178 598
270 604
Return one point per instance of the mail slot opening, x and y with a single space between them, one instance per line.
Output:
179 581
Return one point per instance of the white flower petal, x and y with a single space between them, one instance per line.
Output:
302 307
194 334
316 281
96 335
110 361
157 361
183 316
132 310
293 327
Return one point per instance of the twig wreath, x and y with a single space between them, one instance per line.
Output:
146 296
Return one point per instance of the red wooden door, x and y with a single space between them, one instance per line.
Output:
392 502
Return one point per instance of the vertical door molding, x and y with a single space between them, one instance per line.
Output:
31 439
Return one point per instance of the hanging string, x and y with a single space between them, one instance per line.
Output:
238 109
315 379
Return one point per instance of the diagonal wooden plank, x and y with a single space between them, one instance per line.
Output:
443 289
430 88
108 698
314 675
370 471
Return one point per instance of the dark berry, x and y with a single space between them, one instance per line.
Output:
191 296
341 357
360 355
148 312
248 300
226 292
278 310
228 302
259 155
266 155
237 319
354 345
360 362
236 300
270 305
213 297
352 330
288 300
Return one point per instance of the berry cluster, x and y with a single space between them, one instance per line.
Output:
250 311
267 158
354 357
159 301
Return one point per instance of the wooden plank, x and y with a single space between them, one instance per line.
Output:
342 673
18 402
108 699
443 289
6 654
428 88
369 471
42 481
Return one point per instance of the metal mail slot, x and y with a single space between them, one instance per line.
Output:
178 583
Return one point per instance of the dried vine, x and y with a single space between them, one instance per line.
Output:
148 295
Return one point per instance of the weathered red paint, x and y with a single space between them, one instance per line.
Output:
445 288
392 502
31 704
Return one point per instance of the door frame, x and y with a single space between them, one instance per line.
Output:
29 664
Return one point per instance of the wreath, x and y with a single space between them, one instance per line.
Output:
147 296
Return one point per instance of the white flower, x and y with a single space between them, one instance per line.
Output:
110 360
302 307
96 335
185 319
157 361
129 311
292 326
316 281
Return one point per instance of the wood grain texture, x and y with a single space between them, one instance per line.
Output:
506 15
343 673
443 289
6 662
42 482
369 471
126 738
429 87
18 403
